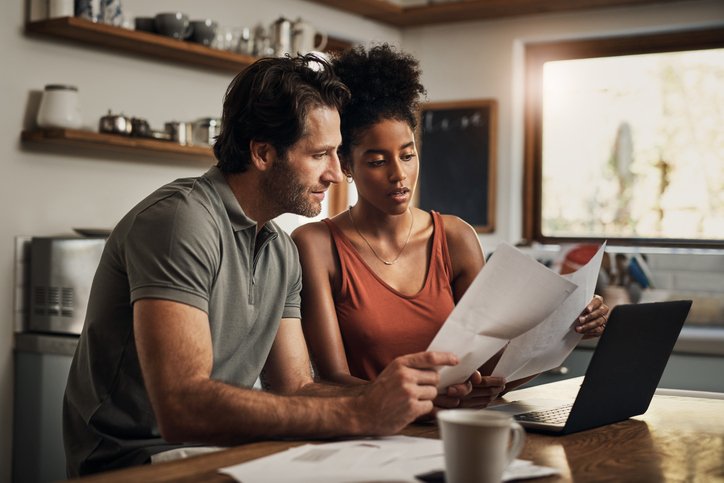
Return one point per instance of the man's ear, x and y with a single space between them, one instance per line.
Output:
263 154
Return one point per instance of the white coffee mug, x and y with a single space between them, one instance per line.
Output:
478 444
304 38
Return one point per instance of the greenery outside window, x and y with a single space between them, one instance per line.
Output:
624 140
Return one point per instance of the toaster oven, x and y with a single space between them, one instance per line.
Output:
61 274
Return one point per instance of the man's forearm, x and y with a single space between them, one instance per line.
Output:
331 389
213 412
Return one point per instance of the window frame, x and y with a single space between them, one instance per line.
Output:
536 55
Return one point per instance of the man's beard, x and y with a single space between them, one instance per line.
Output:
287 192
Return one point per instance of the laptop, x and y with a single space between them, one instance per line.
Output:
622 376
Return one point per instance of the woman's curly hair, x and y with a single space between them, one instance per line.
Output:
384 83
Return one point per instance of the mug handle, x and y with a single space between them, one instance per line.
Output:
322 43
517 440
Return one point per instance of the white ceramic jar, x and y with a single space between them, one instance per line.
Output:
59 107
60 8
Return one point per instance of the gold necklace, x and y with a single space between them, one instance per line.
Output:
386 262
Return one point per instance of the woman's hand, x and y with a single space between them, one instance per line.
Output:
453 395
485 390
477 392
592 320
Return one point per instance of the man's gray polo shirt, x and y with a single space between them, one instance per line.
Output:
188 242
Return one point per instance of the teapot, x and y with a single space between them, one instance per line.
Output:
304 37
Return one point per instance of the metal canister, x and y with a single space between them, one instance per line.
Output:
281 36
205 131
180 132
88 9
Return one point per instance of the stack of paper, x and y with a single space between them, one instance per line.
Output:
395 458
518 302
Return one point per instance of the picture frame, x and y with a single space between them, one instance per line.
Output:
458 149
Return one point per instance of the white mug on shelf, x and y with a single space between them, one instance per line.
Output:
304 38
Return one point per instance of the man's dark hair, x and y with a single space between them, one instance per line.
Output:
385 84
269 102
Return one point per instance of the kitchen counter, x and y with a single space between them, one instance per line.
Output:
59 344
708 341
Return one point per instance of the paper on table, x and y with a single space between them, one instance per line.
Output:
509 296
393 458
547 345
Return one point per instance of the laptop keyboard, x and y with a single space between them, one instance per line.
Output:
557 415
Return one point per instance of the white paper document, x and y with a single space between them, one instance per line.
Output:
547 345
512 294
394 458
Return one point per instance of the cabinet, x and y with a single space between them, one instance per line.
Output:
42 364
693 372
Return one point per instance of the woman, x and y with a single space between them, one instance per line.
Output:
381 278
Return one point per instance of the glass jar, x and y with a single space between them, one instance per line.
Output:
59 107
205 131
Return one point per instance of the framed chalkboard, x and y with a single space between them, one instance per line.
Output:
457 160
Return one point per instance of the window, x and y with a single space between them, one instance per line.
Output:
625 140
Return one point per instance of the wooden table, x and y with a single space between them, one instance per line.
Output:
678 439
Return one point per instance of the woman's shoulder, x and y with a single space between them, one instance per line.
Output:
313 232
466 251
457 229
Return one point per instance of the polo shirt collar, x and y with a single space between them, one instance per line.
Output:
237 217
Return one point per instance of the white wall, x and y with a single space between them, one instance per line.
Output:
48 193
485 60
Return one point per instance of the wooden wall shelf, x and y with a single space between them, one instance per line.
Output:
77 138
144 43
151 45
466 10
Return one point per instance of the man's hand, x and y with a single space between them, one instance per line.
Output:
403 392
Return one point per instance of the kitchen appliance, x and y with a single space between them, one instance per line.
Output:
61 274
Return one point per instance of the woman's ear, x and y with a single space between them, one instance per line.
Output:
262 154
345 166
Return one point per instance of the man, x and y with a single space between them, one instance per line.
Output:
198 292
